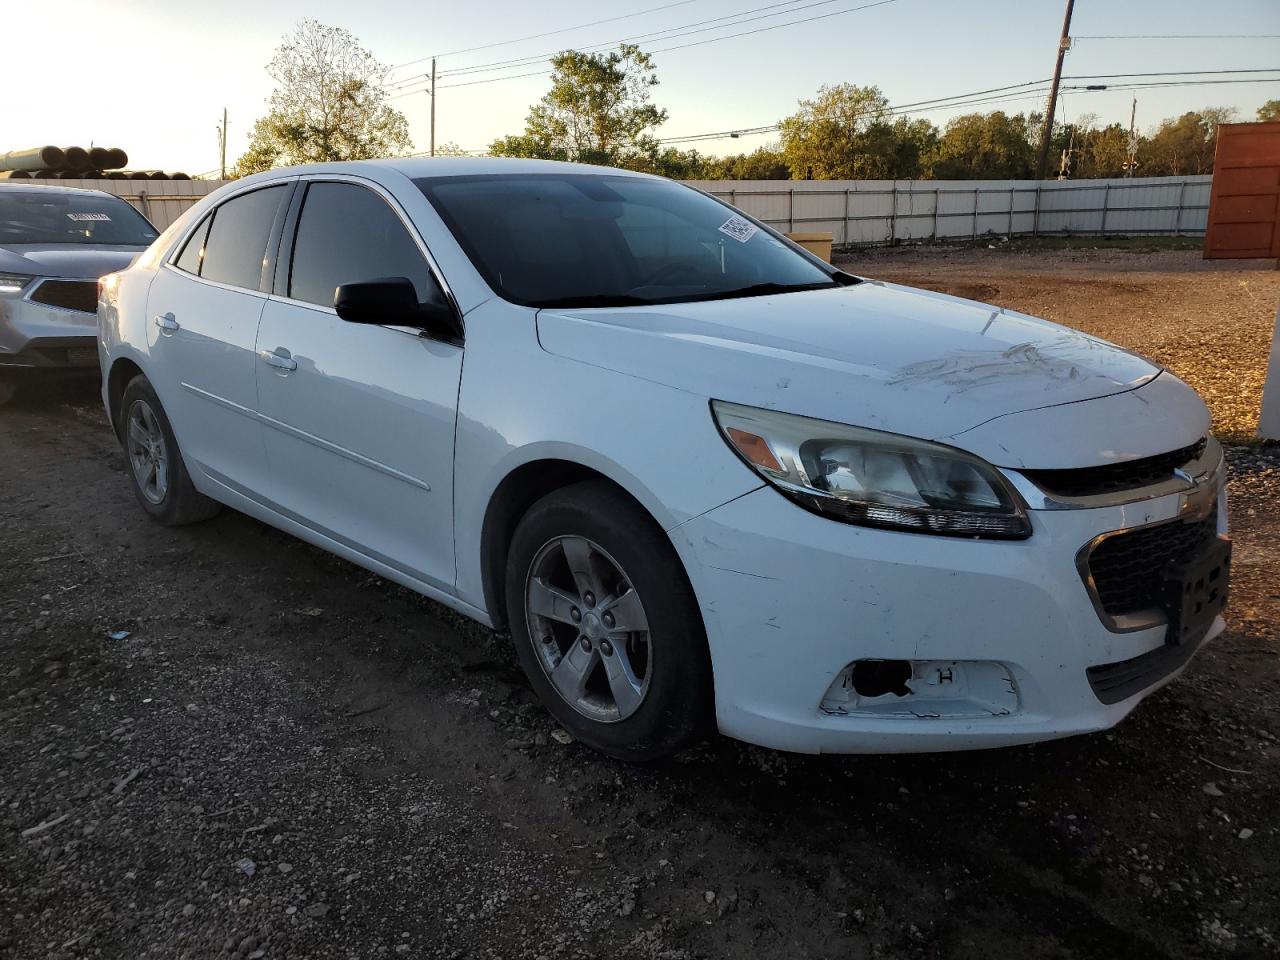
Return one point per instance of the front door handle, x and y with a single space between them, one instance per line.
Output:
280 359
168 324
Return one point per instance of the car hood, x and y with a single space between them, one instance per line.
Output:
874 354
76 260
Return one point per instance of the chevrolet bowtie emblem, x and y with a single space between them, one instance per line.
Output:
1196 503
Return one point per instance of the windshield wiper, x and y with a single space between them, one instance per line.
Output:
592 300
766 289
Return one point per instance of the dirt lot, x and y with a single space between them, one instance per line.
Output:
221 742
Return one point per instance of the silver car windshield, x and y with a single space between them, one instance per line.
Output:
584 240
48 217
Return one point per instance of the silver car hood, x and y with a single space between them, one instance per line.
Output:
887 357
72 260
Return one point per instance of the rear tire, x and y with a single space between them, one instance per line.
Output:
156 472
606 625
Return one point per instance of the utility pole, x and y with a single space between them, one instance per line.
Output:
433 106
1133 140
222 144
1064 42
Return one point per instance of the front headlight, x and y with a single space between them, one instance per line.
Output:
873 478
14 282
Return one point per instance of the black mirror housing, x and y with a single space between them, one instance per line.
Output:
393 301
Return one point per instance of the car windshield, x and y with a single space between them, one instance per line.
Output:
584 240
48 216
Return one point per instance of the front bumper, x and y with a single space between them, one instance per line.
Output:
1003 633
43 342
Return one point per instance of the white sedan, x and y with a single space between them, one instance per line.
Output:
703 478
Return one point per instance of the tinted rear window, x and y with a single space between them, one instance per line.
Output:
238 238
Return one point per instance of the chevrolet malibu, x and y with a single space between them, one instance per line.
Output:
702 477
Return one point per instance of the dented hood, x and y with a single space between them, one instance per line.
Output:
875 355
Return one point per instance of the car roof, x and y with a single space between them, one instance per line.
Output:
418 167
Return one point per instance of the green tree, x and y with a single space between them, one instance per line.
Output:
844 133
597 111
1184 145
328 104
1269 110
985 146
1102 152
763 163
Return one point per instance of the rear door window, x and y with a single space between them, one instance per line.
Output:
237 240
348 234
193 252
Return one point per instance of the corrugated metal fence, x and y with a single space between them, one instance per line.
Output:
863 212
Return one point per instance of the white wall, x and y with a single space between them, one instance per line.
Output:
884 211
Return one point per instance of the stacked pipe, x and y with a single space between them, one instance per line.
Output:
75 163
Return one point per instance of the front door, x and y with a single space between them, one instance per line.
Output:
359 419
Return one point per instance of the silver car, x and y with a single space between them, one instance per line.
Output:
55 242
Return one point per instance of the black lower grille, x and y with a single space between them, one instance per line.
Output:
1116 477
1113 682
79 295
1127 569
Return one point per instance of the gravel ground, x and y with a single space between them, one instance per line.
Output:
220 742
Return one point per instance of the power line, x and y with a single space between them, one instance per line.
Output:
1165 73
548 33
666 34
671 33
1003 95
776 26
1178 36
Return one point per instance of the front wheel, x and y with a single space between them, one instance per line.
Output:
605 624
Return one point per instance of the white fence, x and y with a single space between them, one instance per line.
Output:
864 212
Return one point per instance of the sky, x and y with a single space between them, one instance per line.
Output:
153 76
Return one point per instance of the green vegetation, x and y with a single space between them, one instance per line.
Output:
328 104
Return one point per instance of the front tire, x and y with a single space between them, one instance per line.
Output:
156 472
606 625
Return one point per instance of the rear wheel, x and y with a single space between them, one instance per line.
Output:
605 624
159 477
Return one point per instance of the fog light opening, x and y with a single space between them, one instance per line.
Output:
875 678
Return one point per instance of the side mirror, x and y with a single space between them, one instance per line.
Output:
392 301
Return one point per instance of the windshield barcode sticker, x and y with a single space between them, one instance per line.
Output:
741 230
88 216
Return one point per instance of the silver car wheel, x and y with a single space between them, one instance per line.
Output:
588 628
148 452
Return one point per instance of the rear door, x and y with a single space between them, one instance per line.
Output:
203 309
359 418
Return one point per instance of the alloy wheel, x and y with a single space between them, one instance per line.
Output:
148 453
588 628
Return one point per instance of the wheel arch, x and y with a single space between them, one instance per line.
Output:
122 371
519 490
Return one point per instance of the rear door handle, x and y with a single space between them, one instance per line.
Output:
280 359
168 324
